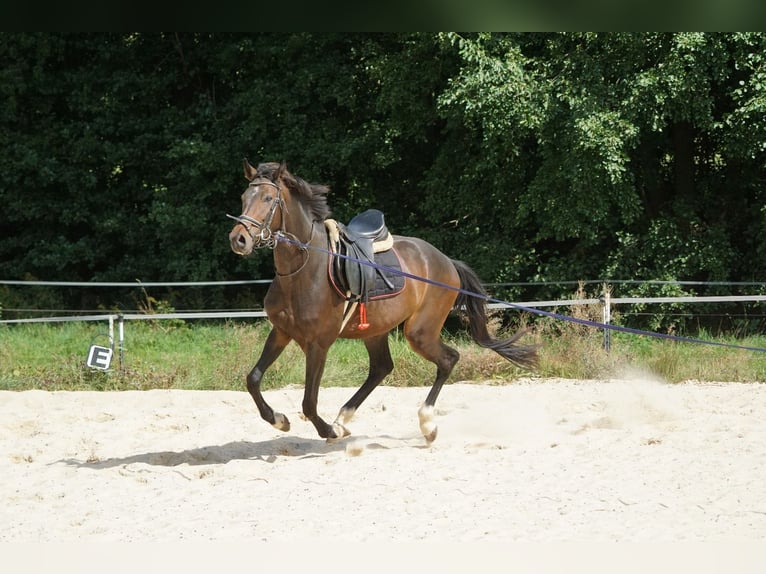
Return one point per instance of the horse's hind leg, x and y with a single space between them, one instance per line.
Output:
275 344
381 365
426 341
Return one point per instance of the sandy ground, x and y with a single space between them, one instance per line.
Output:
535 460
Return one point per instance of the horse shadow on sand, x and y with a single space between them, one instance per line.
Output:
265 451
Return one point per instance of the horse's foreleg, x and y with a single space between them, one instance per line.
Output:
381 365
316 356
275 344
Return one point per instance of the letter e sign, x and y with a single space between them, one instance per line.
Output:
99 357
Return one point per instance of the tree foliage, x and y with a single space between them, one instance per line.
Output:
531 156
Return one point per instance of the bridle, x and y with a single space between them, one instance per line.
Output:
260 231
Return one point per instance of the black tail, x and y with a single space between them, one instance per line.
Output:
476 309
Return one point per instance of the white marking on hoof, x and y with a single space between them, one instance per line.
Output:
344 416
281 422
427 423
341 432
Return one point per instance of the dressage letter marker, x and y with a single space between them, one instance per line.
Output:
99 357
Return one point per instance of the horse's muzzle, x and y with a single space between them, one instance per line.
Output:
241 241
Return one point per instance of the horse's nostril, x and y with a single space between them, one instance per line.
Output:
239 242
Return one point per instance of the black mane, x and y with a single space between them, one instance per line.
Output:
313 196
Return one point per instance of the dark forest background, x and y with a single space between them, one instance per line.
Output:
534 157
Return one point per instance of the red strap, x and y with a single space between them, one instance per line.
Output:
363 324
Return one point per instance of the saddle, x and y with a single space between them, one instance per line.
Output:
358 242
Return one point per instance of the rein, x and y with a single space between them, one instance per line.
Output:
303 248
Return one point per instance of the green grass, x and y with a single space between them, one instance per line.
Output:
206 355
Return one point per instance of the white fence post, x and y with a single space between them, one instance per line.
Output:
607 316
121 339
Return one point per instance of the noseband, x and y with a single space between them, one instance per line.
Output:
260 231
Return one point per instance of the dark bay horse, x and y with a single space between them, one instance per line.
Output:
287 214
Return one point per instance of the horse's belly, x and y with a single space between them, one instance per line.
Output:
305 322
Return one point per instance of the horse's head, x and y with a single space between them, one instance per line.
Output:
262 206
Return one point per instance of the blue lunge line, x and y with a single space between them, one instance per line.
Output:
285 239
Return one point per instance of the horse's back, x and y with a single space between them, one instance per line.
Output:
421 258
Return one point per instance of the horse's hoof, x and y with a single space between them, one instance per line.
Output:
340 431
427 423
281 422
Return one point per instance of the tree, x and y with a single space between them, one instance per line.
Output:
532 156
638 155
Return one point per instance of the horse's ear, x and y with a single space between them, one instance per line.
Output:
249 170
282 169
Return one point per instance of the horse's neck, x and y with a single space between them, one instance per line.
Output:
296 254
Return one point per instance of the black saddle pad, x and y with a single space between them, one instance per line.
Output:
391 260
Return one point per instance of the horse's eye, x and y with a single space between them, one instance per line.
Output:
267 198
